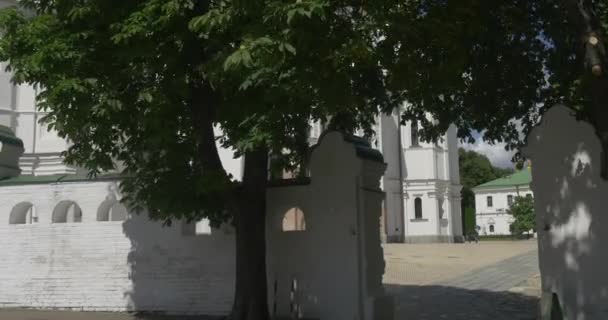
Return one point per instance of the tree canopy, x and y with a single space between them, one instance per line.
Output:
146 82
522 210
120 80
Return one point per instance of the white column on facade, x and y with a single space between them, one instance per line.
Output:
391 147
448 214
408 207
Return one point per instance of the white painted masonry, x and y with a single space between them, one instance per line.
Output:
497 215
115 266
338 258
570 201
428 171
42 148
137 264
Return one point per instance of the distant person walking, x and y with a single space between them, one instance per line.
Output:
473 235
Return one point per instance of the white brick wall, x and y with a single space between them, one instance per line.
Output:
112 266
139 265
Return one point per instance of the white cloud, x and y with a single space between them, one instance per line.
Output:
495 152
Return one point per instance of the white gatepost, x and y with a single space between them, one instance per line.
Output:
571 203
323 237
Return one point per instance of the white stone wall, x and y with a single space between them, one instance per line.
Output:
570 201
501 222
117 266
137 264
497 215
337 261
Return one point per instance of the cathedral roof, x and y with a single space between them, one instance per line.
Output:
519 178
7 136
54 178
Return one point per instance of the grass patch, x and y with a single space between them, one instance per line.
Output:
505 238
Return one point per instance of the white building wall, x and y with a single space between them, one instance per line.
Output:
138 265
429 224
18 111
432 174
338 257
451 145
496 215
392 181
115 266
429 170
571 220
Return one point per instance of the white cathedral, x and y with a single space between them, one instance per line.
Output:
421 183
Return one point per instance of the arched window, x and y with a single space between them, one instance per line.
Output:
293 220
201 227
414 134
491 228
418 208
67 212
23 213
112 210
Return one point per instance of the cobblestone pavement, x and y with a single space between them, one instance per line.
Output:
18 314
481 287
420 264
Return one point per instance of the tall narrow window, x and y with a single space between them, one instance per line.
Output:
415 138
491 228
490 202
510 200
418 208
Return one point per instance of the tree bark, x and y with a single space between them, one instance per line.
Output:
596 66
251 301
248 204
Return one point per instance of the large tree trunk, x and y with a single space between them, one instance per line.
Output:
250 301
249 206
594 51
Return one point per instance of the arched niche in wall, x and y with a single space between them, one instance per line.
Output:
112 210
23 213
197 228
293 220
67 211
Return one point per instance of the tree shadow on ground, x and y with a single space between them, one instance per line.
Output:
440 302
157 316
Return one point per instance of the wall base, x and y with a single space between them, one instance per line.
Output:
434 239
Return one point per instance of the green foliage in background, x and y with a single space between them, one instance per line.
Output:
475 169
522 210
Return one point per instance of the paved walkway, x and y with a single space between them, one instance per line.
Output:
502 290
15 314
500 276
420 264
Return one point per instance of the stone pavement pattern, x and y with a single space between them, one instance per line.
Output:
420 264
482 285
16 314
